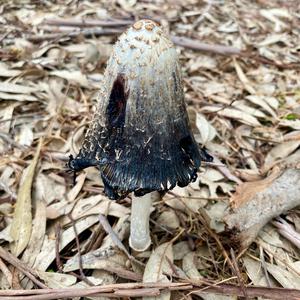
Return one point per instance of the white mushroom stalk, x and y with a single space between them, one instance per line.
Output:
139 239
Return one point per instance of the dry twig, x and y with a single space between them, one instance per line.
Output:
83 277
149 289
30 273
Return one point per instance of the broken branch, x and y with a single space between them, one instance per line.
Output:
257 204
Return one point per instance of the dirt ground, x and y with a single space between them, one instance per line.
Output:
240 63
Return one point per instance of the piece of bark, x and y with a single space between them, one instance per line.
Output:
258 205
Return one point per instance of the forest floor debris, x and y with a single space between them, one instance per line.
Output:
241 70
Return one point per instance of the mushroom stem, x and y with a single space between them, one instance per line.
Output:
139 239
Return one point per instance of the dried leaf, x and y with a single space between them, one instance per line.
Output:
168 219
114 237
22 221
180 250
49 190
212 178
47 253
273 14
74 77
188 266
57 280
270 238
121 229
26 136
6 72
158 265
280 151
187 203
241 131
72 194
38 231
36 239
6 114
104 259
106 256
243 106
240 116
243 78
98 204
255 271
16 88
216 213
295 124
207 131
260 101
127 5
286 278
17 97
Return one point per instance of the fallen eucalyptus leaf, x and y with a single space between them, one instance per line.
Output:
157 266
22 221
207 131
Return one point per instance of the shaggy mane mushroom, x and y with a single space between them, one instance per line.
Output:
140 138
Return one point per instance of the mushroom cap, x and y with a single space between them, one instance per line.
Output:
140 136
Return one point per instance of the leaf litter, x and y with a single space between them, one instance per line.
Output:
245 109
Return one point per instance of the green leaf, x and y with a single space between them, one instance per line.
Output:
292 116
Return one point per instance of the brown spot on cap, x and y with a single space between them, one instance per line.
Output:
155 39
138 25
149 26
